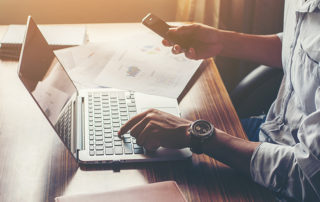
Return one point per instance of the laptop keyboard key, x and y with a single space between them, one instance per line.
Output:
127 148
109 144
99 142
99 147
116 129
118 150
121 95
116 125
127 140
116 138
126 135
108 140
108 135
98 133
116 120
107 121
107 126
132 114
131 105
117 143
109 151
99 153
124 118
136 146
138 151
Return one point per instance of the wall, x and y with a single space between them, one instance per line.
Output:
249 16
84 11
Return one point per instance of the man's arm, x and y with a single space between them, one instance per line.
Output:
290 170
155 128
263 49
208 42
231 150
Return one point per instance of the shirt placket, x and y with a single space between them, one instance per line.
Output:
293 46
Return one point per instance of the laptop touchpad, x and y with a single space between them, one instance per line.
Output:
145 102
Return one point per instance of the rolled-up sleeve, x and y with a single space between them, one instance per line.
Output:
291 170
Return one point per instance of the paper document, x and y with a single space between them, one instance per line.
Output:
139 63
84 63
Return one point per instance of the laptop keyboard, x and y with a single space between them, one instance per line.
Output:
107 112
63 125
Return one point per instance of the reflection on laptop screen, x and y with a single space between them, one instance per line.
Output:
44 77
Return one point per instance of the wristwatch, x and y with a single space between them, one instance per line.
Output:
200 131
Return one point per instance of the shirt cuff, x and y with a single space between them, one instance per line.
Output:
269 165
280 35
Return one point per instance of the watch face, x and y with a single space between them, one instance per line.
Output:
201 128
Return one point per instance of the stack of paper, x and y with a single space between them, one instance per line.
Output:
58 36
138 63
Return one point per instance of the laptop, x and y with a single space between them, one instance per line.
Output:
87 120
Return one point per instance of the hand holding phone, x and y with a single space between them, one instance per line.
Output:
161 28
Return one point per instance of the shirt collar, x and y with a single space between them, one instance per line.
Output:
308 6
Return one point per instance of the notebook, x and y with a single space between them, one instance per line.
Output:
157 192
58 37
88 120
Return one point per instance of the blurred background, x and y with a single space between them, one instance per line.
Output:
248 16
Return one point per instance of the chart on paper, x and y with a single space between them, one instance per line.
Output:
139 63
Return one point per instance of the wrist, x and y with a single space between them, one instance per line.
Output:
187 136
200 132
227 40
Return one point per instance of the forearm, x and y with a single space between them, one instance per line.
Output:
230 150
263 49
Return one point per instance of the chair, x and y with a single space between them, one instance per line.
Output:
256 92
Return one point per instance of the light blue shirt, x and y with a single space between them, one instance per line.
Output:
288 160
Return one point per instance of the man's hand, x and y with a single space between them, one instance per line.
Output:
204 41
155 128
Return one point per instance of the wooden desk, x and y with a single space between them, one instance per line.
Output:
35 166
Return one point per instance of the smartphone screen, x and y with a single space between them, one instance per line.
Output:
161 27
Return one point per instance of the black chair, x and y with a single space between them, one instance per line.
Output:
257 91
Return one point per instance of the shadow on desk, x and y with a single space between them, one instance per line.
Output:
193 79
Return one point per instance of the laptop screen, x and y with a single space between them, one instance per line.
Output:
43 76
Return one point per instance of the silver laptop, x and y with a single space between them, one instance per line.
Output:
87 121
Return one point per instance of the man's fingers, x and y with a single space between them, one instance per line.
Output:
191 54
133 121
140 126
167 43
181 30
176 49
148 137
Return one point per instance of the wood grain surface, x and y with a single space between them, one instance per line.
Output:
35 166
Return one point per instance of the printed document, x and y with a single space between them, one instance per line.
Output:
139 63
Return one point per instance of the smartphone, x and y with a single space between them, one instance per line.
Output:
161 28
